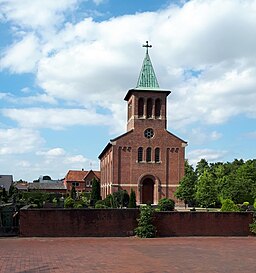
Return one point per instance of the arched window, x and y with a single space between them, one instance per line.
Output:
141 107
149 108
148 154
157 108
140 154
157 154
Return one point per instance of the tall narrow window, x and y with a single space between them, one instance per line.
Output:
141 107
157 154
140 154
149 108
148 154
157 108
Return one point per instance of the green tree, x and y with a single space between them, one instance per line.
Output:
95 195
145 228
206 194
69 202
187 186
73 192
132 200
201 166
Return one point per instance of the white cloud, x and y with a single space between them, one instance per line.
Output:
19 141
22 56
35 13
55 152
195 156
54 118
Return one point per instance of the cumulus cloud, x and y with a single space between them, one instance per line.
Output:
19 141
35 13
22 56
54 118
195 156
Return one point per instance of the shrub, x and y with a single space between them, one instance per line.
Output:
166 204
145 227
100 204
228 206
69 202
132 200
253 226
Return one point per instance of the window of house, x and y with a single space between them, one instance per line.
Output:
149 108
157 108
76 184
141 107
157 154
140 154
148 154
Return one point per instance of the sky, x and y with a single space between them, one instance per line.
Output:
66 65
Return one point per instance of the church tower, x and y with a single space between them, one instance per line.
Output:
146 102
147 158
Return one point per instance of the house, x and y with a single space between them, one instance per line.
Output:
52 187
147 158
5 182
81 179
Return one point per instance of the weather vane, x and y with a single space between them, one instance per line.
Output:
147 45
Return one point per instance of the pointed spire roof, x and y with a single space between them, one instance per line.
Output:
147 77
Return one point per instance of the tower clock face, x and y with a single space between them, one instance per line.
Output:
149 133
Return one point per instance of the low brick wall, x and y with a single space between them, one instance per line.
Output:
122 222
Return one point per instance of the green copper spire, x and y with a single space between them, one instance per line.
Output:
147 78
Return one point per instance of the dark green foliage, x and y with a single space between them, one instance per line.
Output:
145 227
120 199
95 194
187 187
38 198
100 204
109 201
132 201
253 226
229 206
166 204
73 192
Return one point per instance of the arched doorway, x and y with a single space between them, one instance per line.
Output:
147 196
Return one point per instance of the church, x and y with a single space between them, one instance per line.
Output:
147 158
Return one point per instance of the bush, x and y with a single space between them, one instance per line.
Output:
69 202
145 227
228 206
100 204
166 204
253 227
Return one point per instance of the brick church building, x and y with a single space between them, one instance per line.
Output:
147 158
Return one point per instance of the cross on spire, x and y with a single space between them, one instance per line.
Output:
147 46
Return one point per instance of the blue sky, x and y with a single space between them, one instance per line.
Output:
65 67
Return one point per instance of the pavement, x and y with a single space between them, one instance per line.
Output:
130 254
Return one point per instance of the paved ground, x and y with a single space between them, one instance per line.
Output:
179 254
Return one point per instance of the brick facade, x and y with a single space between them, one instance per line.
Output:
154 175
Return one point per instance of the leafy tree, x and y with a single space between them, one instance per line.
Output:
206 194
187 187
132 201
201 166
145 227
95 194
166 204
109 201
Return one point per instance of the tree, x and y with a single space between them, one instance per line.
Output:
145 227
132 201
73 192
187 187
201 166
206 194
95 195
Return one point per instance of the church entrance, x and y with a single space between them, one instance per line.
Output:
147 191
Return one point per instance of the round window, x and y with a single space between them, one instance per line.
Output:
149 133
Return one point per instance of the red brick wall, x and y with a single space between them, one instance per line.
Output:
121 222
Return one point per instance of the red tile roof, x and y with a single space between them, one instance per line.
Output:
75 175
